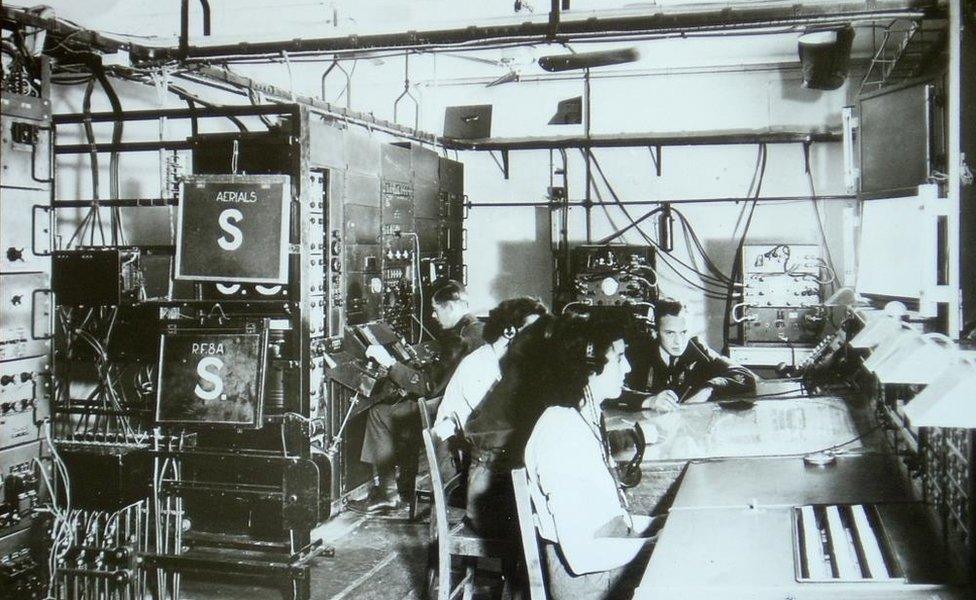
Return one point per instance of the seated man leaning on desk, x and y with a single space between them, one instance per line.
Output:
676 369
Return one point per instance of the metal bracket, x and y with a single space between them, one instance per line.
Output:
49 231
503 163
406 93
656 157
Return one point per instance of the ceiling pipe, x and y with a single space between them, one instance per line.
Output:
664 21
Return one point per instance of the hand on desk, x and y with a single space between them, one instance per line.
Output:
380 355
665 401
700 396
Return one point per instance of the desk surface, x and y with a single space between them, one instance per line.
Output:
790 482
770 427
743 553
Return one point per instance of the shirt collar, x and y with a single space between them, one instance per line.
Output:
665 356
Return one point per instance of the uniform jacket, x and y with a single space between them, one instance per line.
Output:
699 366
455 343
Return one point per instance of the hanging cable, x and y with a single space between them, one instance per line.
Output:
736 275
820 226
706 279
118 236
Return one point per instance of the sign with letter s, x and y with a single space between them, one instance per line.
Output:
233 228
212 378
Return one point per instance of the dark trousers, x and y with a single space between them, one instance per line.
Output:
393 440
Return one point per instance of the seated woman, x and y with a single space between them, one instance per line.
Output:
498 429
479 371
593 546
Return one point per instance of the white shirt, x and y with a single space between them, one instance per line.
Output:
472 380
574 494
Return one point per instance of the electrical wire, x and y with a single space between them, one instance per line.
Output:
820 225
664 254
755 189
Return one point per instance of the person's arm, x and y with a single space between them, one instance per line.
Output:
447 420
433 379
413 381
566 476
724 376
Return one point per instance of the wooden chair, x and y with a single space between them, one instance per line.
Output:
452 540
422 491
530 542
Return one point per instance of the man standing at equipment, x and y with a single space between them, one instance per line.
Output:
677 369
393 428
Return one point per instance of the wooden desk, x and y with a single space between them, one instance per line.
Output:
771 427
790 482
743 553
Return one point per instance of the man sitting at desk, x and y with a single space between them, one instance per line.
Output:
393 428
677 369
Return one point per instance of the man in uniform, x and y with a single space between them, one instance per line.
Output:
676 369
392 437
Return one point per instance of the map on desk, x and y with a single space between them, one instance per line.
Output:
770 427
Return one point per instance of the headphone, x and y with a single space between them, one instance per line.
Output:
629 474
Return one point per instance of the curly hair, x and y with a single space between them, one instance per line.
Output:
510 313
547 364
580 348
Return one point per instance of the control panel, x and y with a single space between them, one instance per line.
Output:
781 294
26 328
613 275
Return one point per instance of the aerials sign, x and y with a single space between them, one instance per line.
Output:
233 228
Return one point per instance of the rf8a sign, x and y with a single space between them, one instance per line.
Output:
233 228
212 378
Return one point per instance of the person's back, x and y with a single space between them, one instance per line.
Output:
498 429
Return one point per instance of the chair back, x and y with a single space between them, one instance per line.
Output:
425 417
438 510
530 541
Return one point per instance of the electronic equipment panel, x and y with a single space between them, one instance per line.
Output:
26 327
295 249
781 294
612 275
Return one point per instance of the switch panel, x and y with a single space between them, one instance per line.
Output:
26 308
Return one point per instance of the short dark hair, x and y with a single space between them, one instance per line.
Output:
510 313
665 307
447 290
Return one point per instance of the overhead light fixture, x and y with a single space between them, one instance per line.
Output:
588 60
948 400
506 78
825 56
